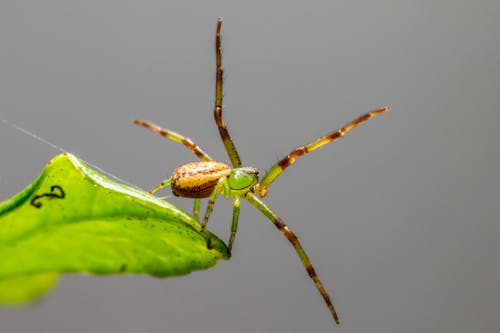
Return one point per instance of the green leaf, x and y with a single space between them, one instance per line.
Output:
74 219
18 290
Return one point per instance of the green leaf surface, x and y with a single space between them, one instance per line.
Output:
18 290
74 219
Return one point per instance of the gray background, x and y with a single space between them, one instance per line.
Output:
401 217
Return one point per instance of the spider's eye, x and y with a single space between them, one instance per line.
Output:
243 178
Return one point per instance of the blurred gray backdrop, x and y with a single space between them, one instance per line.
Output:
400 217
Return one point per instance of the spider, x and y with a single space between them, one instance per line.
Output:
209 178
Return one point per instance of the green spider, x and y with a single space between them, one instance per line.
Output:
208 178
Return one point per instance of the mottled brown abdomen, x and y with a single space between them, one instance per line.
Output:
198 179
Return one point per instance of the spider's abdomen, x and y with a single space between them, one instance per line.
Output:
198 179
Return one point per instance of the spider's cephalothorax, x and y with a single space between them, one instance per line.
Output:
209 179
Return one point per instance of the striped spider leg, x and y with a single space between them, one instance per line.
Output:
208 178
288 160
186 142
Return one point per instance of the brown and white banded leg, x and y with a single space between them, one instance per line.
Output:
292 238
279 167
185 141
232 152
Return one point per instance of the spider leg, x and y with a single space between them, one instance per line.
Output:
221 184
196 209
161 185
292 238
279 167
232 152
187 142
234 224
